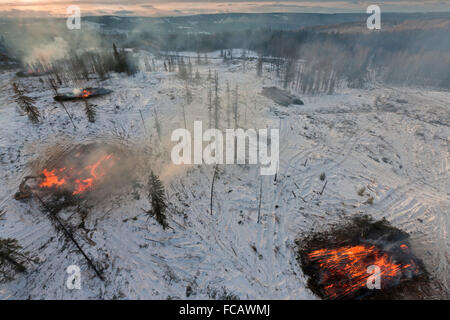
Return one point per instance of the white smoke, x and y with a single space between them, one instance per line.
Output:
46 53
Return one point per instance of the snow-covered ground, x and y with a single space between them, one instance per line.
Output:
394 142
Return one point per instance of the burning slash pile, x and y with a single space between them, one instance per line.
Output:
77 172
85 93
72 176
32 73
364 259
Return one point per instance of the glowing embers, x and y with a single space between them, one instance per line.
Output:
86 93
78 172
345 270
362 259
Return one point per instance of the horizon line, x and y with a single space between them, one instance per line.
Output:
220 13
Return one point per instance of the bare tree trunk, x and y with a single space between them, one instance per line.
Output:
212 188
52 215
143 122
259 204
157 125
70 117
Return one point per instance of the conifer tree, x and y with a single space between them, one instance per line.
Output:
157 199
189 71
259 67
26 104
189 98
89 110
197 76
244 60
11 260
182 72
289 74
147 65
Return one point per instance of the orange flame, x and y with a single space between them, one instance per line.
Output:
350 263
51 179
86 93
30 71
77 180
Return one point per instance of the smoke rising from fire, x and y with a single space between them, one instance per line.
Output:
46 53
43 41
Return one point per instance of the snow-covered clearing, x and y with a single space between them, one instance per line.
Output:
393 142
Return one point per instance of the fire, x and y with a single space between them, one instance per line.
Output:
51 179
344 269
86 93
77 180
83 185
33 71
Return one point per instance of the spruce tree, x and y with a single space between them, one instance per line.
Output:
11 260
244 60
197 76
189 98
26 104
157 199
189 71
182 72
90 112
259 67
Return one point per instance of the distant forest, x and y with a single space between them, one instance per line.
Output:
410 57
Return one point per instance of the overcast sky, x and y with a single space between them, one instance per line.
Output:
188 7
